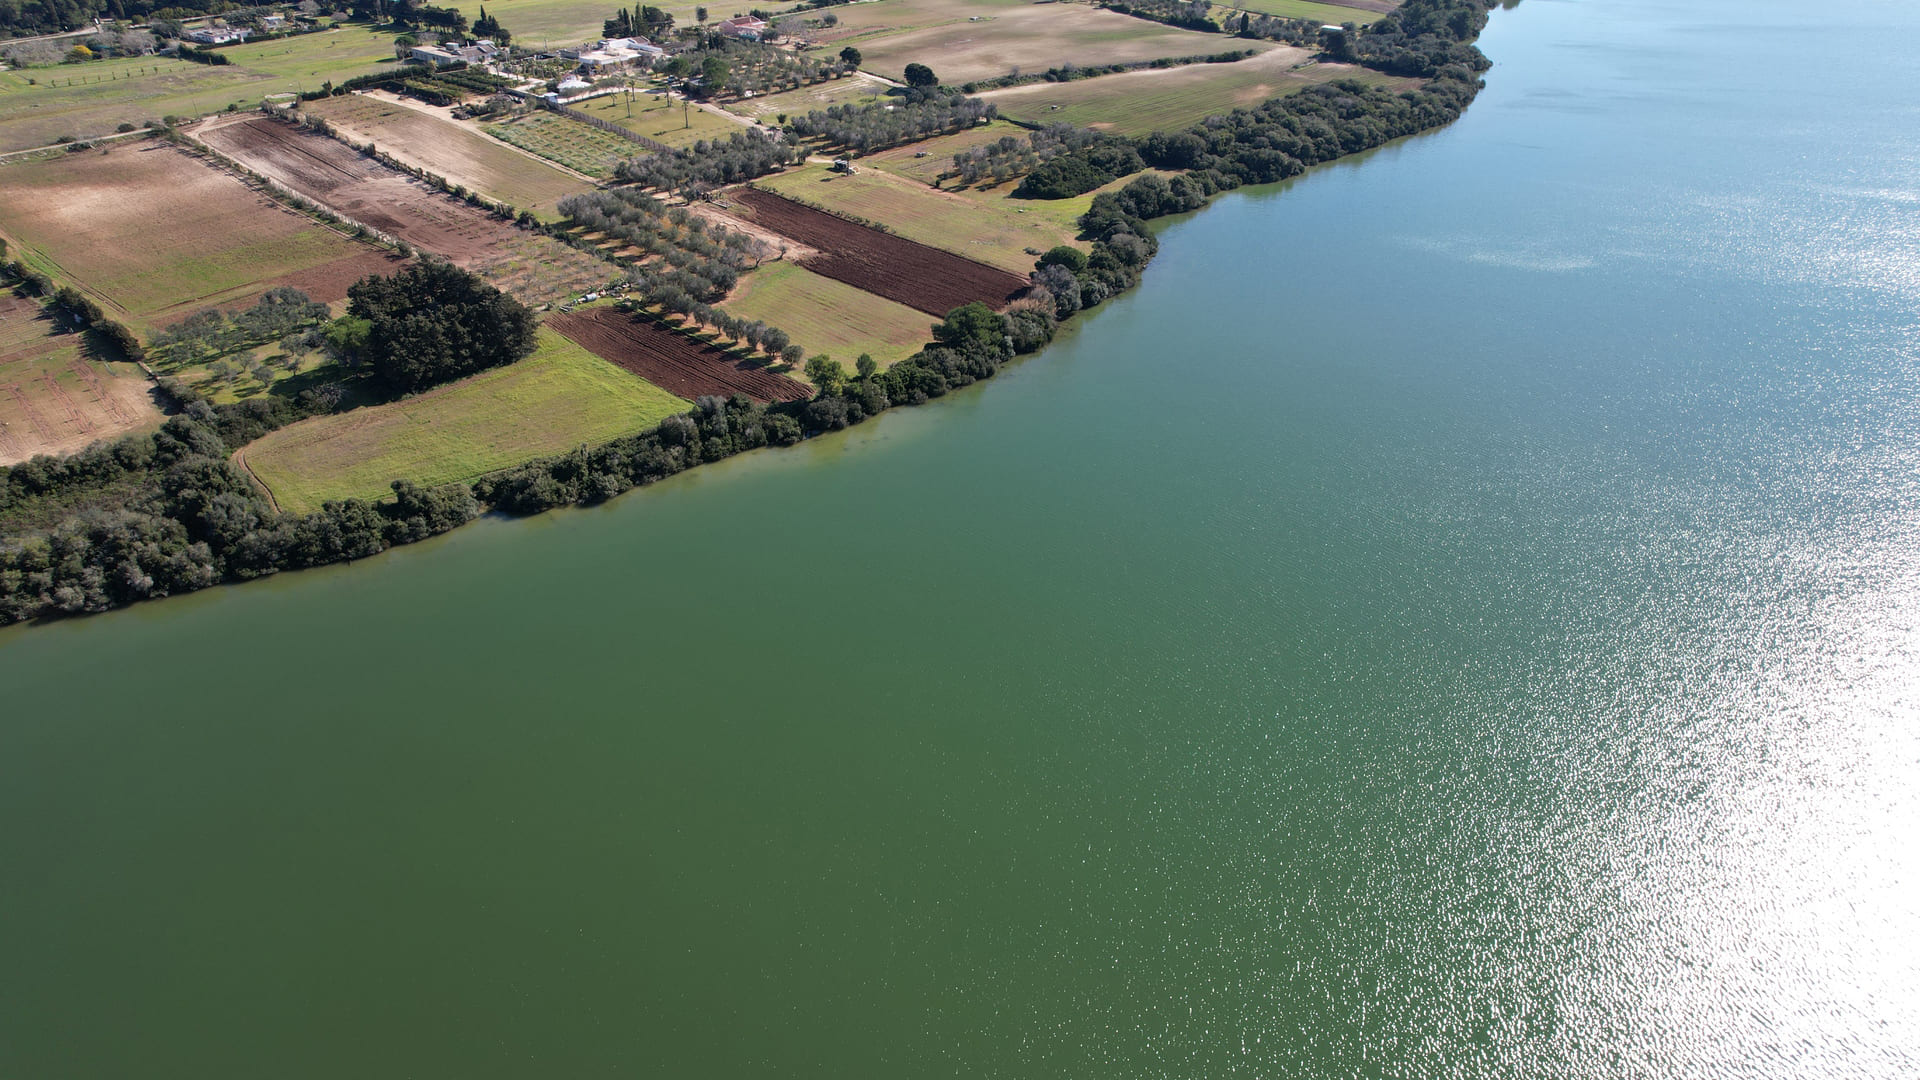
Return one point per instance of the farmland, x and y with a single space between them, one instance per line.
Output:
1360 12
204 238
55 398
828 316
580 147
1024 37
554 400
675 361
986 226
426 138
534 267
921 277
1172 99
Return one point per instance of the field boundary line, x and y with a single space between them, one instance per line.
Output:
395 99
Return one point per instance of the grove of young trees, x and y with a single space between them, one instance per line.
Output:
706 164
880 126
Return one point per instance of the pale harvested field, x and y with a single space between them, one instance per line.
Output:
428 138
1031 37
1174 99
153 233
53 398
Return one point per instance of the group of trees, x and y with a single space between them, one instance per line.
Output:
27 18
733 68
280 312
1096 160
686 260
107 43
168 513
706 164
1421 38
433 322
1010 156
879 126
641 21
1282 137
486 26
1186 14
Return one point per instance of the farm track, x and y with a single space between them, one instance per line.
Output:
672 361
115 411
904 271
39 422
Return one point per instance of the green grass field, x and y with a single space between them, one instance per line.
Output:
39 105
1332 14
308 60
556 399
580 147
827 316
670 121
1172 99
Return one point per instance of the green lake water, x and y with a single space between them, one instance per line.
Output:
1459 618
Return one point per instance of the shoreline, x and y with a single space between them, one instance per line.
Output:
970 345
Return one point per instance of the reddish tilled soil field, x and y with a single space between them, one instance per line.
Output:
923 278
673 362
364 190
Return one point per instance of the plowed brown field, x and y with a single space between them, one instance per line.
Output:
365 190
672 361
534 267
921 277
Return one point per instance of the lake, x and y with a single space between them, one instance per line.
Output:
1459 618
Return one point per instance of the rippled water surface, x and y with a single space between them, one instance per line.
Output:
1457 619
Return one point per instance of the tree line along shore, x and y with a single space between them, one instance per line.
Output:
178 509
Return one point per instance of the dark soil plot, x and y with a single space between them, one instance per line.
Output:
921 277
673 362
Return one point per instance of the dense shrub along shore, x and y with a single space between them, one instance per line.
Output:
167 513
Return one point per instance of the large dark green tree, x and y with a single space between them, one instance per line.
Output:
920 77
434 321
